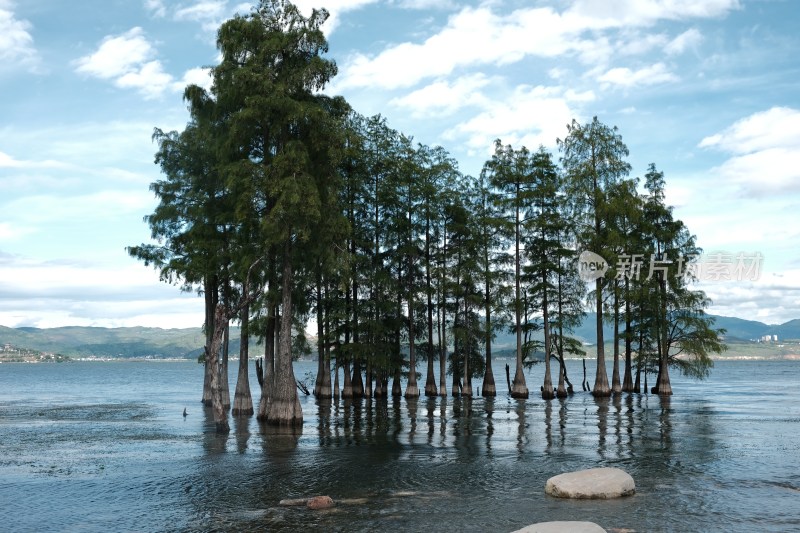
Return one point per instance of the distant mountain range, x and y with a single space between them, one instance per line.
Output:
140 342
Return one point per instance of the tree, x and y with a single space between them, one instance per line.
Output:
544 248
510 174
593 157
489 226
188 223
281 135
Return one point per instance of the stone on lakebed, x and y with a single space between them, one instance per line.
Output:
594 483
562 527
320 502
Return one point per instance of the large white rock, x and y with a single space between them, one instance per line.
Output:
595 483
562 527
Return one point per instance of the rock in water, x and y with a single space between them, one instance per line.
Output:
293 502
562 527
320 502
595 483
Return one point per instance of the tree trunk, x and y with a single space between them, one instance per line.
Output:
547 387
601 388
663 386
209 293
627 381
518 389
320 334
616 386
217 404
284 406
357 381
488 388
347 388
225 382
269 363
325 371
430 381
397 390
466 389
336 379
242 401
368 389
412 390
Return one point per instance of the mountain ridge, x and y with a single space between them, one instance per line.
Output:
140 341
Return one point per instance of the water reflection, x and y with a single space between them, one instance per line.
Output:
241 431
213 442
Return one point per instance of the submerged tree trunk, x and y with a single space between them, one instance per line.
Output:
347 387
242 401
397 390
430 380
368 388
663 386
284 406
324 390
616 386
412 390
488 388
209 293
217 404
627 380
225 381
518 389
269 363
547 387
601 388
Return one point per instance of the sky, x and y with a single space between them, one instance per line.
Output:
708 90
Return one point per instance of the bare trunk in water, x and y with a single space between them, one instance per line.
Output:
268 369
663 386
616 386
627 380
518 389
242 401
217 404
284 405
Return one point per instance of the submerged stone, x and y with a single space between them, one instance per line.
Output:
594 483
320 502
293 502
562 527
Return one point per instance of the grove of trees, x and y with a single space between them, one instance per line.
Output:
280 204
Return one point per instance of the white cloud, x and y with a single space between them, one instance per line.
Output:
773 299
150 79
530 116
16 41
688 39
627 78
199 76
75 293
335 10
778 127
128 60
210 13
7 161
482 36
426 4
765 148
443 97
647 12
118 56
156 8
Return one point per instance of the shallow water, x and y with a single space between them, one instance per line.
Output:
104 447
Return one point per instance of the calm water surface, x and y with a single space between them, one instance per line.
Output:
104 447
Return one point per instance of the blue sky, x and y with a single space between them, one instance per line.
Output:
709 90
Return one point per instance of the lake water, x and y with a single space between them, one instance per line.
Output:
103 446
